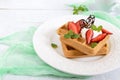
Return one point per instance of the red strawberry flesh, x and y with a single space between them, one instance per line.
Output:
72 26
106 31
89 35
99 37
78 26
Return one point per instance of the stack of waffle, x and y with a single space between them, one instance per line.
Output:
74 48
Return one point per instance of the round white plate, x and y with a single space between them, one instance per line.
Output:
46 34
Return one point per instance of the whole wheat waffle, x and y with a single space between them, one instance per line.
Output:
62 30
70 52
80 43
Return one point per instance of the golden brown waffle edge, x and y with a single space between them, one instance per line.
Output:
80 45
70 52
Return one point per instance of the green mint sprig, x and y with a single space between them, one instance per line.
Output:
93 44
78 9
71 34
95 28
54 45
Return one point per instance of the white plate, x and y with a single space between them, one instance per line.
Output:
46 34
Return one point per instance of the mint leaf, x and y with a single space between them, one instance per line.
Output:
99 28
54 45
67 36
95 28
80 8
75 10
75 36
93 44
71 34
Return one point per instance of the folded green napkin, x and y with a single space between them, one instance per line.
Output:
21 59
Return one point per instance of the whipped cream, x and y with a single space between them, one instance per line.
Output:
95 33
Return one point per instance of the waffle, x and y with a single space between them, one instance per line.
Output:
80 43
62 30
70 52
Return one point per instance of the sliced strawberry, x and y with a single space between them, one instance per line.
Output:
78 26
89 35
72 26
99 37
105 31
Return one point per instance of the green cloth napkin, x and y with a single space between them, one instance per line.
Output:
21 59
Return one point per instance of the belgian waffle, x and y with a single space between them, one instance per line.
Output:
80 43
70 52
62 30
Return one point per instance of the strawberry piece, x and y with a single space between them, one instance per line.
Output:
78 26
72 26
89 35
105 31
99 37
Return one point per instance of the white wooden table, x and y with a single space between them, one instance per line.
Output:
15 15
